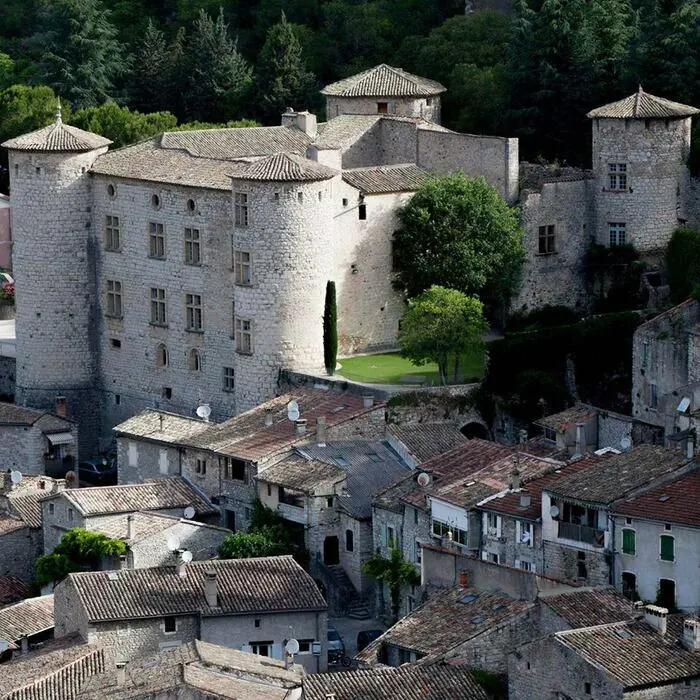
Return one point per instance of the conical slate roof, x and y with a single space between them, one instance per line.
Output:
384 81
284 167
642 105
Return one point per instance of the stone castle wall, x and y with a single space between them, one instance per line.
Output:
427 108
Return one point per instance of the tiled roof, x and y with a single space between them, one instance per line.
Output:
264 585
384 81
618 475
26 618
426 440
344 130
159 494
58 137
9 523
589 607
144 525
642 105
445 621
10 414
433 682
302 474
247 437
677 501
370 466
229 144
568 418
56 672
12 589
386 178
283 167
161 426
634 653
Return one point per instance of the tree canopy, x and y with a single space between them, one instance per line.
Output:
683 263
245 545
459 233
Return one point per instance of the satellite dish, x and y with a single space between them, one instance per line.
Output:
187 556
625 443
173 543
424 479
204 411
293 411
5 645
16 477
554 512
189 512
70 477
292 647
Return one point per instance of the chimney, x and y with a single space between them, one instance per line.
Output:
61 406
181 567
269 420
123 564
515 480
321 431
307 123
289 118
691 635
211 589
300 426
367 400
464 579
580 439
130 526
24 644
121 672
655 617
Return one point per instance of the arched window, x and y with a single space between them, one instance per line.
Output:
161 356
194 361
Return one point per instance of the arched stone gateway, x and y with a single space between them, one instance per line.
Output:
475 430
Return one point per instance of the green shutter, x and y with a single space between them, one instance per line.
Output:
628 542
667 543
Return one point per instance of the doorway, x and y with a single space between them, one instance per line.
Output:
331 551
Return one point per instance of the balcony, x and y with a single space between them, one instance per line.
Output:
295 514
581 533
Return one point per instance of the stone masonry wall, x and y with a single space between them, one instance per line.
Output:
139 460
509 549
561 562
363 152
8 369
425 108
69 614
19 551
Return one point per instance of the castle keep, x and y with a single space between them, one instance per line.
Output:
192 267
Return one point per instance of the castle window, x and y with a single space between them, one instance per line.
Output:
111 191
158 312
240 209
547 240
156 240
617 231
617 176
115 342
155 201
191 206
382 108
161 356
194 361
193 307
112 233
244 335
193 251
362 212
229 379
242 267
114 298
167 392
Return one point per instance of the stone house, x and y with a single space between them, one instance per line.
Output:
574 430
249 604
416 443
657 538
577 525
26 624
92 506
655 658
37 442
224 459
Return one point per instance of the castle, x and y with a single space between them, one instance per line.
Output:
192 267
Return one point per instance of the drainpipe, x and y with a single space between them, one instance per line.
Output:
612 577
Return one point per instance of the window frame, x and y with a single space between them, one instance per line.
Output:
240 267
156 240
617 177
240 210
255 648
243 336
669 538
194 360
113 232
229 378
194 313
547 239
617 233
459 537
193 246
166 620
114 301
200 466
158 314
633 533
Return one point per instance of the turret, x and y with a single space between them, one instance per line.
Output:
53 266
640 153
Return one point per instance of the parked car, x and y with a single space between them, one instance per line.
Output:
336 648
98 471
365 637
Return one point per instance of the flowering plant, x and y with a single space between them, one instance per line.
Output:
7 292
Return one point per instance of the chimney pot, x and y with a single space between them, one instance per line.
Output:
300 426
211 589
268 417
656 617
691 635
367 400
464 579
130 527
181 567
61 406
580 439
24 645
515 480
121 673
321 430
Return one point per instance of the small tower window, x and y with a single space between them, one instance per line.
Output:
194 361
161 356
155 201
111 191
191 206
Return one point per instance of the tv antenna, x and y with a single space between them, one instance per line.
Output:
204 411
189 512
293 411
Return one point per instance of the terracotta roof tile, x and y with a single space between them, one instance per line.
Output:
386 178
384 81
302 474
161 426
568 418
589 607
12 589
642 105
57 137
283 167
434 682
26 618
144 525
344 130
427 440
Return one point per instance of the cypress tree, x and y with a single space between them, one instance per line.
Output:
330 329
150 80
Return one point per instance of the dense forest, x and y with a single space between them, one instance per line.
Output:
533 73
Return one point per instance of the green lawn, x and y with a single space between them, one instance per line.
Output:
390 368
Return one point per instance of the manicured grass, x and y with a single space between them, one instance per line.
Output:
390 367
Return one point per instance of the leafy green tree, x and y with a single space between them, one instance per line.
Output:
683 263
24 109
81 57
459 233
219 76
151 75
245 545
281 77
330 329
120 124
198 126
395 573
440 324
7 71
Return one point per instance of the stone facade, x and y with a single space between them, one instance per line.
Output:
424 107
19 550
509 548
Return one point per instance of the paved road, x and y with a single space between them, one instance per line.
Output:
348 629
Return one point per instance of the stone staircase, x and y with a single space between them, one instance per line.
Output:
355 606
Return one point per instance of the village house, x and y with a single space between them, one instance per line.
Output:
224 459
655 658
92 506
26 624
254 605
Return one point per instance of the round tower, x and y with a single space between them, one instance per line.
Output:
282 240
641 147
54 269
